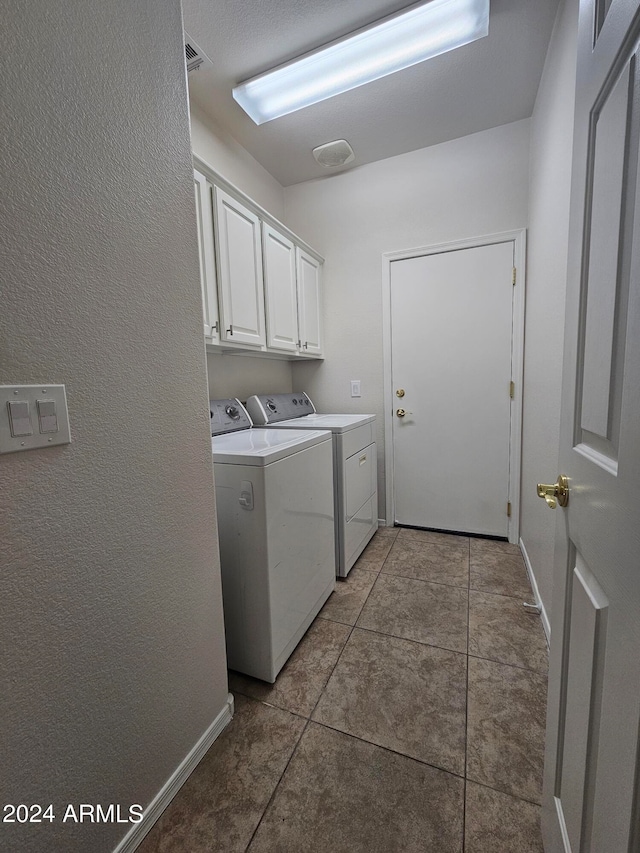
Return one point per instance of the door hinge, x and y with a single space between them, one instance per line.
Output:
512 389
513 276
509 509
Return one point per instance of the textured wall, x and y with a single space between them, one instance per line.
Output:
469 187
112 650
551 144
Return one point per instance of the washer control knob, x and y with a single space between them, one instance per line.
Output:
233 412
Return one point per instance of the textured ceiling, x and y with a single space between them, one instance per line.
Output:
485 84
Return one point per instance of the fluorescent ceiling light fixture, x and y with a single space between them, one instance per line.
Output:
402 40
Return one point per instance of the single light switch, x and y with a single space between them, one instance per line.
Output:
19 418
47 415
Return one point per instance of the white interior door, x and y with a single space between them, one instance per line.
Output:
591 789
451 353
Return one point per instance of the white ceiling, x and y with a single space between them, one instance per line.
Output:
485 84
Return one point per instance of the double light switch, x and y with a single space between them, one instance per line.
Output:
32 416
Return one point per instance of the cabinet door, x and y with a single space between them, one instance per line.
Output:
309 307
204 219
280 290
240 271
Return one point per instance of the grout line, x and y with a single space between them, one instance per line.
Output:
512 665
273 793
409 640
502 595
424 580
324 687
466 709
390 749
506 793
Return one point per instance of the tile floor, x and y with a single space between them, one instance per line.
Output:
410 718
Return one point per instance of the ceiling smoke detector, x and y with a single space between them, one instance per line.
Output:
333 154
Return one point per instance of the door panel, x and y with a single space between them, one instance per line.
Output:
240 265
309 309
280 287
591 768
204 221
452 321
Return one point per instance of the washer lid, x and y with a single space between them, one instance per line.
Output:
336 423
259 446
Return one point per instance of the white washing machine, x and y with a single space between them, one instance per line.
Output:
355 466
274 495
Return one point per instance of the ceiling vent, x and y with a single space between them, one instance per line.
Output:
195 57
333 154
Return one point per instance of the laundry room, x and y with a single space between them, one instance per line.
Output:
310 547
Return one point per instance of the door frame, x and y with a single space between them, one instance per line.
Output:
519 239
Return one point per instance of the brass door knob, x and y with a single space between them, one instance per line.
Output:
400 392
400 413
557 493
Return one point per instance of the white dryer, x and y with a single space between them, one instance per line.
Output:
355 465
274 494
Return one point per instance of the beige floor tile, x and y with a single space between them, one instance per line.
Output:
219 807
402 695
432 538
481 546
340 795
376 552
391 532
416 610
346 602
300 682
503 574
499 823
446 563
501 629
505 728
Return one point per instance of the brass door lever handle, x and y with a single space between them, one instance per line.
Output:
555 494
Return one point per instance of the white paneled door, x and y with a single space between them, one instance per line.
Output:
591 796
451 352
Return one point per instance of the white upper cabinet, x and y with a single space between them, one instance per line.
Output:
241 288
309 307
260 287
280 290
204 219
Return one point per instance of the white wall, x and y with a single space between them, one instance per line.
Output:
468 187
241 376
221 151
550 176
113 659
230 375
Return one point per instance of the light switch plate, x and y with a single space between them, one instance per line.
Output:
35 396
355 388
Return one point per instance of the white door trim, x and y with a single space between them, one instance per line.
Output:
519 239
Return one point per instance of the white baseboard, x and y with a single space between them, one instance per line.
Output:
382 522
177 779
536 593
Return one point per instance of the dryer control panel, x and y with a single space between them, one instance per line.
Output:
271 408
228 415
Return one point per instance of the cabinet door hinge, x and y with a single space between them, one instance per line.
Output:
512 389
509 509
513 276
